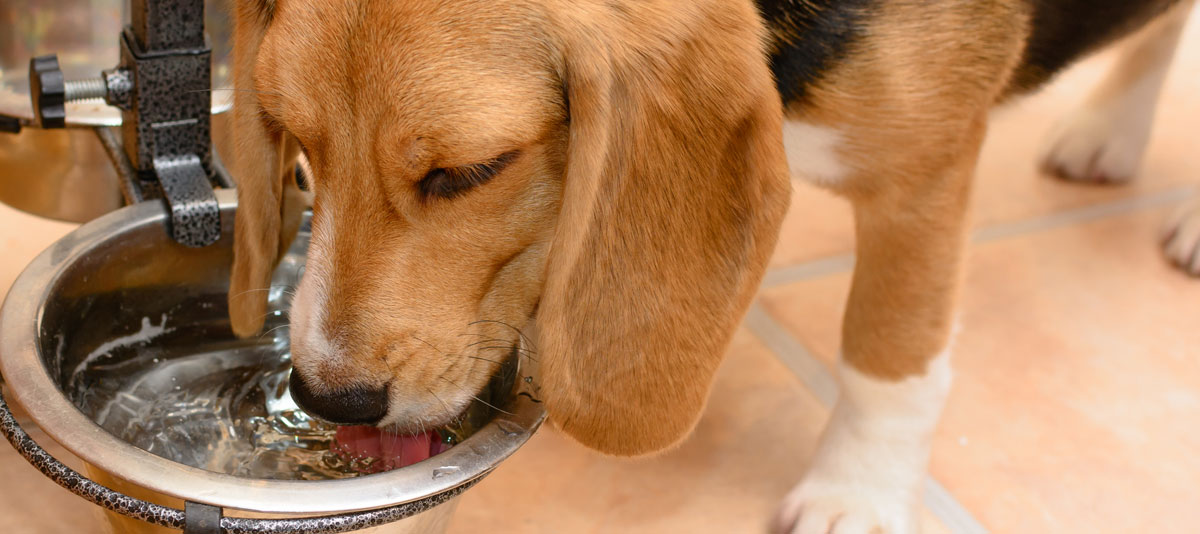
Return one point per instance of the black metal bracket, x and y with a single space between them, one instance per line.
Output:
195 215
163 88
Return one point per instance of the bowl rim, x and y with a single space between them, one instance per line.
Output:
31 385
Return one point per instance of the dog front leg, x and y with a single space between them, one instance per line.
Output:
894 371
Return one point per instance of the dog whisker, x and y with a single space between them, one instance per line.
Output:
486 403
457 418
488 340
255 289
447 354
269 313
484 359
514 329
264 334
508 347
274 329
520 352
431 345
497 340
528 353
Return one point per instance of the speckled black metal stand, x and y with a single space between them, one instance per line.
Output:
173 518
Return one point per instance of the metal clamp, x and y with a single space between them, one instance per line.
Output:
200 518
195 215
162 86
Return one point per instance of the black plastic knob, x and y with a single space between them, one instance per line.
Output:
48 91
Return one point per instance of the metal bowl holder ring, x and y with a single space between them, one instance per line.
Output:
162 87
201 518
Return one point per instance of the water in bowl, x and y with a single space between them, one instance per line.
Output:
222 404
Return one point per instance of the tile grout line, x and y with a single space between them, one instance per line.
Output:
1082 215
821 383
798 359
817 268
953 515
810 269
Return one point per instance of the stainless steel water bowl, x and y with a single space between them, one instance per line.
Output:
100 282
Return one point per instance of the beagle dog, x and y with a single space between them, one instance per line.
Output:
596 188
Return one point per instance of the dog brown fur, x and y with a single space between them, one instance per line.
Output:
637 219
644 184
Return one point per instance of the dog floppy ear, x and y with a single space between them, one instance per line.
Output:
270 204
675 187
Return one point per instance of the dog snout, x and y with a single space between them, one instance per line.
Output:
356 405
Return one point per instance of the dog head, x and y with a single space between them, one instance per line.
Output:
606 177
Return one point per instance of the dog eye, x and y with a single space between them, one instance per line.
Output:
451 182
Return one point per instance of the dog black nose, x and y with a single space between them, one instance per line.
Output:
352 406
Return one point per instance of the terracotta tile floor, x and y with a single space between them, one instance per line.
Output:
1077 402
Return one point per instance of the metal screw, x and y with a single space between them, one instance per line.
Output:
87 89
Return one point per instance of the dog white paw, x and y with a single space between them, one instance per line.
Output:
830 507
1098 144
867 472
1182 238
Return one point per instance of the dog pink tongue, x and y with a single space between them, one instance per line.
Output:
371 450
